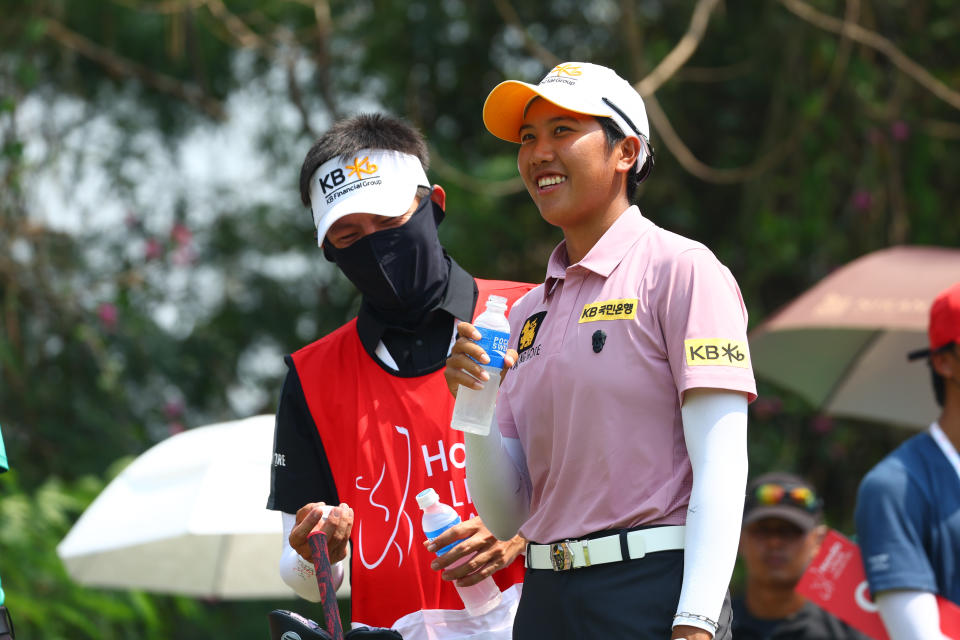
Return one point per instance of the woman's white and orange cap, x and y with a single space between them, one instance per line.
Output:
581 87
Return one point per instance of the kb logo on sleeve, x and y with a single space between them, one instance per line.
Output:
717 352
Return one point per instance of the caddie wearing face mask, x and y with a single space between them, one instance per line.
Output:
364 420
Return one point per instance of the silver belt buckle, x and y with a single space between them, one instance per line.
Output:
560 556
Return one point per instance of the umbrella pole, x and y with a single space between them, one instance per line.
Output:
328 595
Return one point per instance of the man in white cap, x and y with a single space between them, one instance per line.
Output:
908 505
629 388
363 420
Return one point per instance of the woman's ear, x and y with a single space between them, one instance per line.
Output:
629 149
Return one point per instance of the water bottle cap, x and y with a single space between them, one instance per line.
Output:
496 300
427 497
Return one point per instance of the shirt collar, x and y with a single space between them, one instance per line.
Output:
605 255
458 300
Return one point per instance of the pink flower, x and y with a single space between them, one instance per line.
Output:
766 407
900 130
153 250
862 200
173 409
822 424
183 256
107 313
181 234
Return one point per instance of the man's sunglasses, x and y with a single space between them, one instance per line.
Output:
771 493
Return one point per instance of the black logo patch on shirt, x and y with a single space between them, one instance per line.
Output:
528 334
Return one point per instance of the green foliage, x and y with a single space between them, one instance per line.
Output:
176 313
45 603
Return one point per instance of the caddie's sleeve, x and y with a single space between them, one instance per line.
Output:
891 520
300 472
704 322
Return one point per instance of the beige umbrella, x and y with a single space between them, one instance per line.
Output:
843 344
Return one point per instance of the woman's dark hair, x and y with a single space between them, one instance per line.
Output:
364 131
613 134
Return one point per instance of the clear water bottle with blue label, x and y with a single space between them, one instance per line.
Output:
473 411
437 518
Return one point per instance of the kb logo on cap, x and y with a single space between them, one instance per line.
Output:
336 177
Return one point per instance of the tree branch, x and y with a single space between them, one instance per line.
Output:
490 188
875 41
773 157
942 129
710 75
244 35
296 96
321 11
631 31
167 7
682 51
510 16
189 93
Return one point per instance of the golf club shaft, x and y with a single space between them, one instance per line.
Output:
328 594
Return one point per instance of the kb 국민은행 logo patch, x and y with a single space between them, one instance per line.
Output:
717 352
622 309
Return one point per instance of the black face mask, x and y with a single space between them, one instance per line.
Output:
402 272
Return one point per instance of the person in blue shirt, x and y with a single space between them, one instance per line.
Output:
908 505
6 626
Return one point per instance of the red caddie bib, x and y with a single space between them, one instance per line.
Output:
387 438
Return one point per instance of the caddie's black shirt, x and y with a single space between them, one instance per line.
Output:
423 350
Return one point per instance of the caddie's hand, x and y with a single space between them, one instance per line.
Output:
337 527
461 368
491 554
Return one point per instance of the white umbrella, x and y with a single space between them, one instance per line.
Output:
187 517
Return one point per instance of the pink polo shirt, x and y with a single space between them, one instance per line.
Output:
601 429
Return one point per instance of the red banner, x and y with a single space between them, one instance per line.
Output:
835 581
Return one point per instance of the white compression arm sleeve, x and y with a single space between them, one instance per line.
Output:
910 615
297 573
715 430
499 481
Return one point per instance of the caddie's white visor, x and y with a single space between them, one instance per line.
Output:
371 181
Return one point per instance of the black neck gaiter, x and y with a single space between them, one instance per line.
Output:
402 272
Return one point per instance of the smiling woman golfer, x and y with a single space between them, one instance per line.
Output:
625 409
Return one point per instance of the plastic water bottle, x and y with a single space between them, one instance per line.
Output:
437 518
473 411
